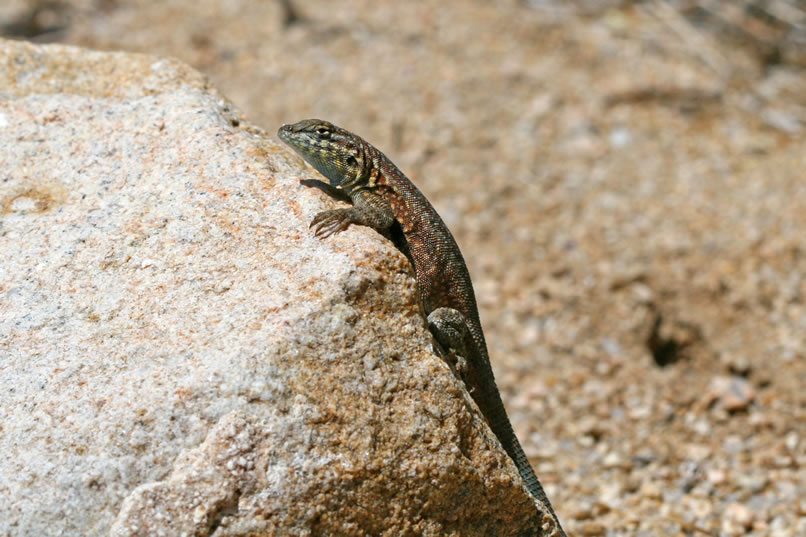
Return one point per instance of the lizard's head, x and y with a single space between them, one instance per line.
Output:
334 152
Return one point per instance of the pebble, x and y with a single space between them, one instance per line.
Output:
729 393
738 516
592 529
752 484
651 490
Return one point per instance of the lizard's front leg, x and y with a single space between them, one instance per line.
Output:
369 209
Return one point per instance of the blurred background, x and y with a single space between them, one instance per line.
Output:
627 181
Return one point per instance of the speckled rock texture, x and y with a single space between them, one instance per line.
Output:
179 355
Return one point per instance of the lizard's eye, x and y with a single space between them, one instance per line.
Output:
351 161
323 132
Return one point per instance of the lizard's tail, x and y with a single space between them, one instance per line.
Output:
501 426
452 330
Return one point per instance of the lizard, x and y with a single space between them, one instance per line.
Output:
384 199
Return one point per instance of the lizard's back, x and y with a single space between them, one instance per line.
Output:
442 276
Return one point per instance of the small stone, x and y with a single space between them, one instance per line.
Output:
740 515
734 444
791 441
612 460
780 527
729 393
700 508
698 452
620 137
739 365
584 512
752 484
715 476
651 490
701 426
639 412
781 120
592 529
611 346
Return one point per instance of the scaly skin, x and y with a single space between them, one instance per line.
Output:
386 200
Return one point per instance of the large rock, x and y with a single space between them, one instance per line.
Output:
179 355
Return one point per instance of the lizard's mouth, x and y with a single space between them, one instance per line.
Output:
284 133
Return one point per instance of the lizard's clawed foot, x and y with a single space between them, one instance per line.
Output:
327 223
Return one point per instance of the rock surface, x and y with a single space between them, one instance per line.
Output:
180 356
